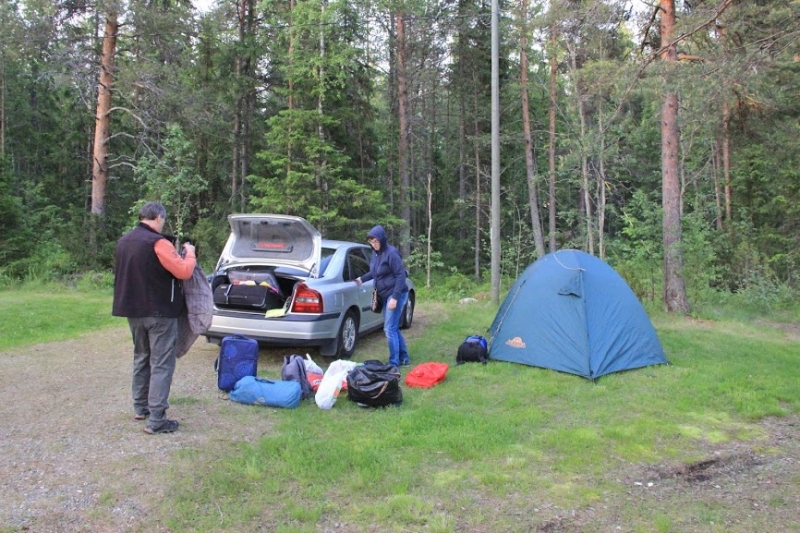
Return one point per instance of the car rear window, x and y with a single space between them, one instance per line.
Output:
327 254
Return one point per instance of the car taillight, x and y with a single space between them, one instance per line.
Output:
306 300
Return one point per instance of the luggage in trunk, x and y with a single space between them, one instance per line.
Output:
246 296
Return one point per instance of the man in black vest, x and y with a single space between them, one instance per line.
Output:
148 291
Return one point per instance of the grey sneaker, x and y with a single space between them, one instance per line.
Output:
167 426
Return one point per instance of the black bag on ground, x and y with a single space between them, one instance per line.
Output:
472 350
294 369
238 357
374 384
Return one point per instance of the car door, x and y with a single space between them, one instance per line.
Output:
358 266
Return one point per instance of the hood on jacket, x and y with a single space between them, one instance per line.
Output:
379 233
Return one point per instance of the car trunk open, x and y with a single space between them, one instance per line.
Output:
252 288
263 260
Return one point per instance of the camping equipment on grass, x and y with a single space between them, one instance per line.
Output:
332 382
472 350
238 357
294 369
570 311
258 391
374 384
427 375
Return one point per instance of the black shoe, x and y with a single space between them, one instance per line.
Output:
167 426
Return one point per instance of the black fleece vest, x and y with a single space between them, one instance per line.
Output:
142 287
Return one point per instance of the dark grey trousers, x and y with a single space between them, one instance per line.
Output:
154 359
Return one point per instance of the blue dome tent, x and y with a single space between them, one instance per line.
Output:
570 311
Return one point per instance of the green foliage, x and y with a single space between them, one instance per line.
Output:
418 260
172 180
453 286
14 236
308 180
636 254
209 236
310 89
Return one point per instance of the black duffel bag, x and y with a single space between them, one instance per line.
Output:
374 384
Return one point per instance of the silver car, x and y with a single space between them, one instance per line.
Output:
279 282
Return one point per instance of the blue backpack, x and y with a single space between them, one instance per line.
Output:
474 349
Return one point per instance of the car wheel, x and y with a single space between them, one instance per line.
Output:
408 312
348 335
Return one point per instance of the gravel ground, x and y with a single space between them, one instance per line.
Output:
71 456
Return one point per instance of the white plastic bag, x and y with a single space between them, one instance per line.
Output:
312 367
331 383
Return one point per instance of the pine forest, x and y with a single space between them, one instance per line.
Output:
662 136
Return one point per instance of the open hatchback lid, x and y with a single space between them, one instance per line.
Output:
276 240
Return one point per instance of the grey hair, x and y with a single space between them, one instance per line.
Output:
151 211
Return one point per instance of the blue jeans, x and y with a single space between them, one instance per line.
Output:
398 353
154 360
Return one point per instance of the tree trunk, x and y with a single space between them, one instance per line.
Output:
726 164
102 131
601 190
290 89
2 106
551 193
430 236
587 197
322 179
674 288
717 190
462 141
403 146
530 163
477 155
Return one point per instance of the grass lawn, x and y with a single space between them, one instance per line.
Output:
497 447
33 313
501 447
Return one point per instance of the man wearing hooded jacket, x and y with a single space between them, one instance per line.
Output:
387 269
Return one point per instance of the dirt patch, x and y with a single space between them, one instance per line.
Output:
69 446
792 330
738 487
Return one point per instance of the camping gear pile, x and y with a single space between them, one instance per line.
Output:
569 311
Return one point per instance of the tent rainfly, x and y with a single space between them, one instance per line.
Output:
570 311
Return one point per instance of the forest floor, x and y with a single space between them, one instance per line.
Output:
72 459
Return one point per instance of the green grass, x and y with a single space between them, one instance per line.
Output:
493 439
483 451
35 313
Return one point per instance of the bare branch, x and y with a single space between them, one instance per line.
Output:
131 113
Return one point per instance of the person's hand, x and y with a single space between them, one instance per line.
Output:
358 281
188 248
391 304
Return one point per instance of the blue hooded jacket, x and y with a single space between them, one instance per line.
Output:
386 268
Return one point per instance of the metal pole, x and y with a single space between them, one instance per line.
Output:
495 225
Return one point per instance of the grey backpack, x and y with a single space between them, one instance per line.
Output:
294 369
